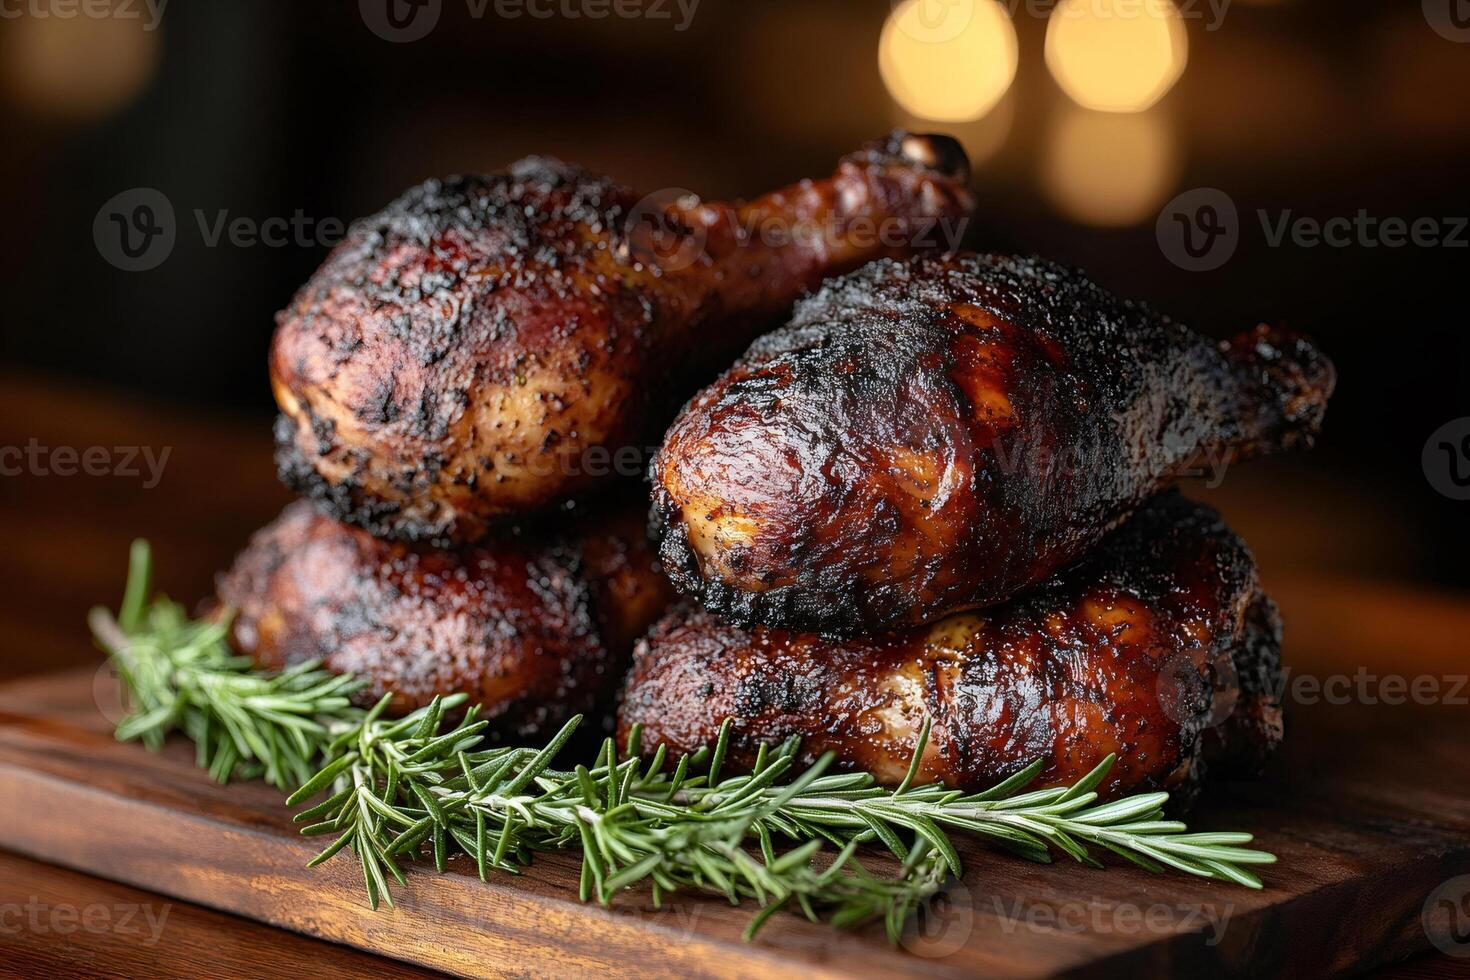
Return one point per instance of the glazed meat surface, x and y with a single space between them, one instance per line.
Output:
940 434
485 345
1157 638
535 629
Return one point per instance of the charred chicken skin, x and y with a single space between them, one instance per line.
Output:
533 629
482 345
940 434
1157 639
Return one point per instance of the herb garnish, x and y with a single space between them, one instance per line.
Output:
397 788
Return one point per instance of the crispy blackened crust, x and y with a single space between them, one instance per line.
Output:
1119 654
1249 687
463 312
467 353
534 629
943 433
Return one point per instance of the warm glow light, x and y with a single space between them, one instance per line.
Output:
948 60
77 67
1106 169
1116 55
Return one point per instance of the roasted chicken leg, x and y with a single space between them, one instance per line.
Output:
485 345
940 434
533 629
1159 636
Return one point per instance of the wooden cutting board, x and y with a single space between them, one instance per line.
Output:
1368 809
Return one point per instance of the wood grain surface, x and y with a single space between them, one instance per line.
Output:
59 923
1368 812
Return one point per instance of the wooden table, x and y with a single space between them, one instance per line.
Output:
66 540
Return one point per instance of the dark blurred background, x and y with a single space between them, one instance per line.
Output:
314 113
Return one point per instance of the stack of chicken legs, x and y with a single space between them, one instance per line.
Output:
458 383
941 493
938 495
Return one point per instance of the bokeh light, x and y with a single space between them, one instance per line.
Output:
1109 170
80 67
948 60
1116 55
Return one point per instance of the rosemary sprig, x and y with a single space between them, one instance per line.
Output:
398 788
180 675
402 787
428 782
